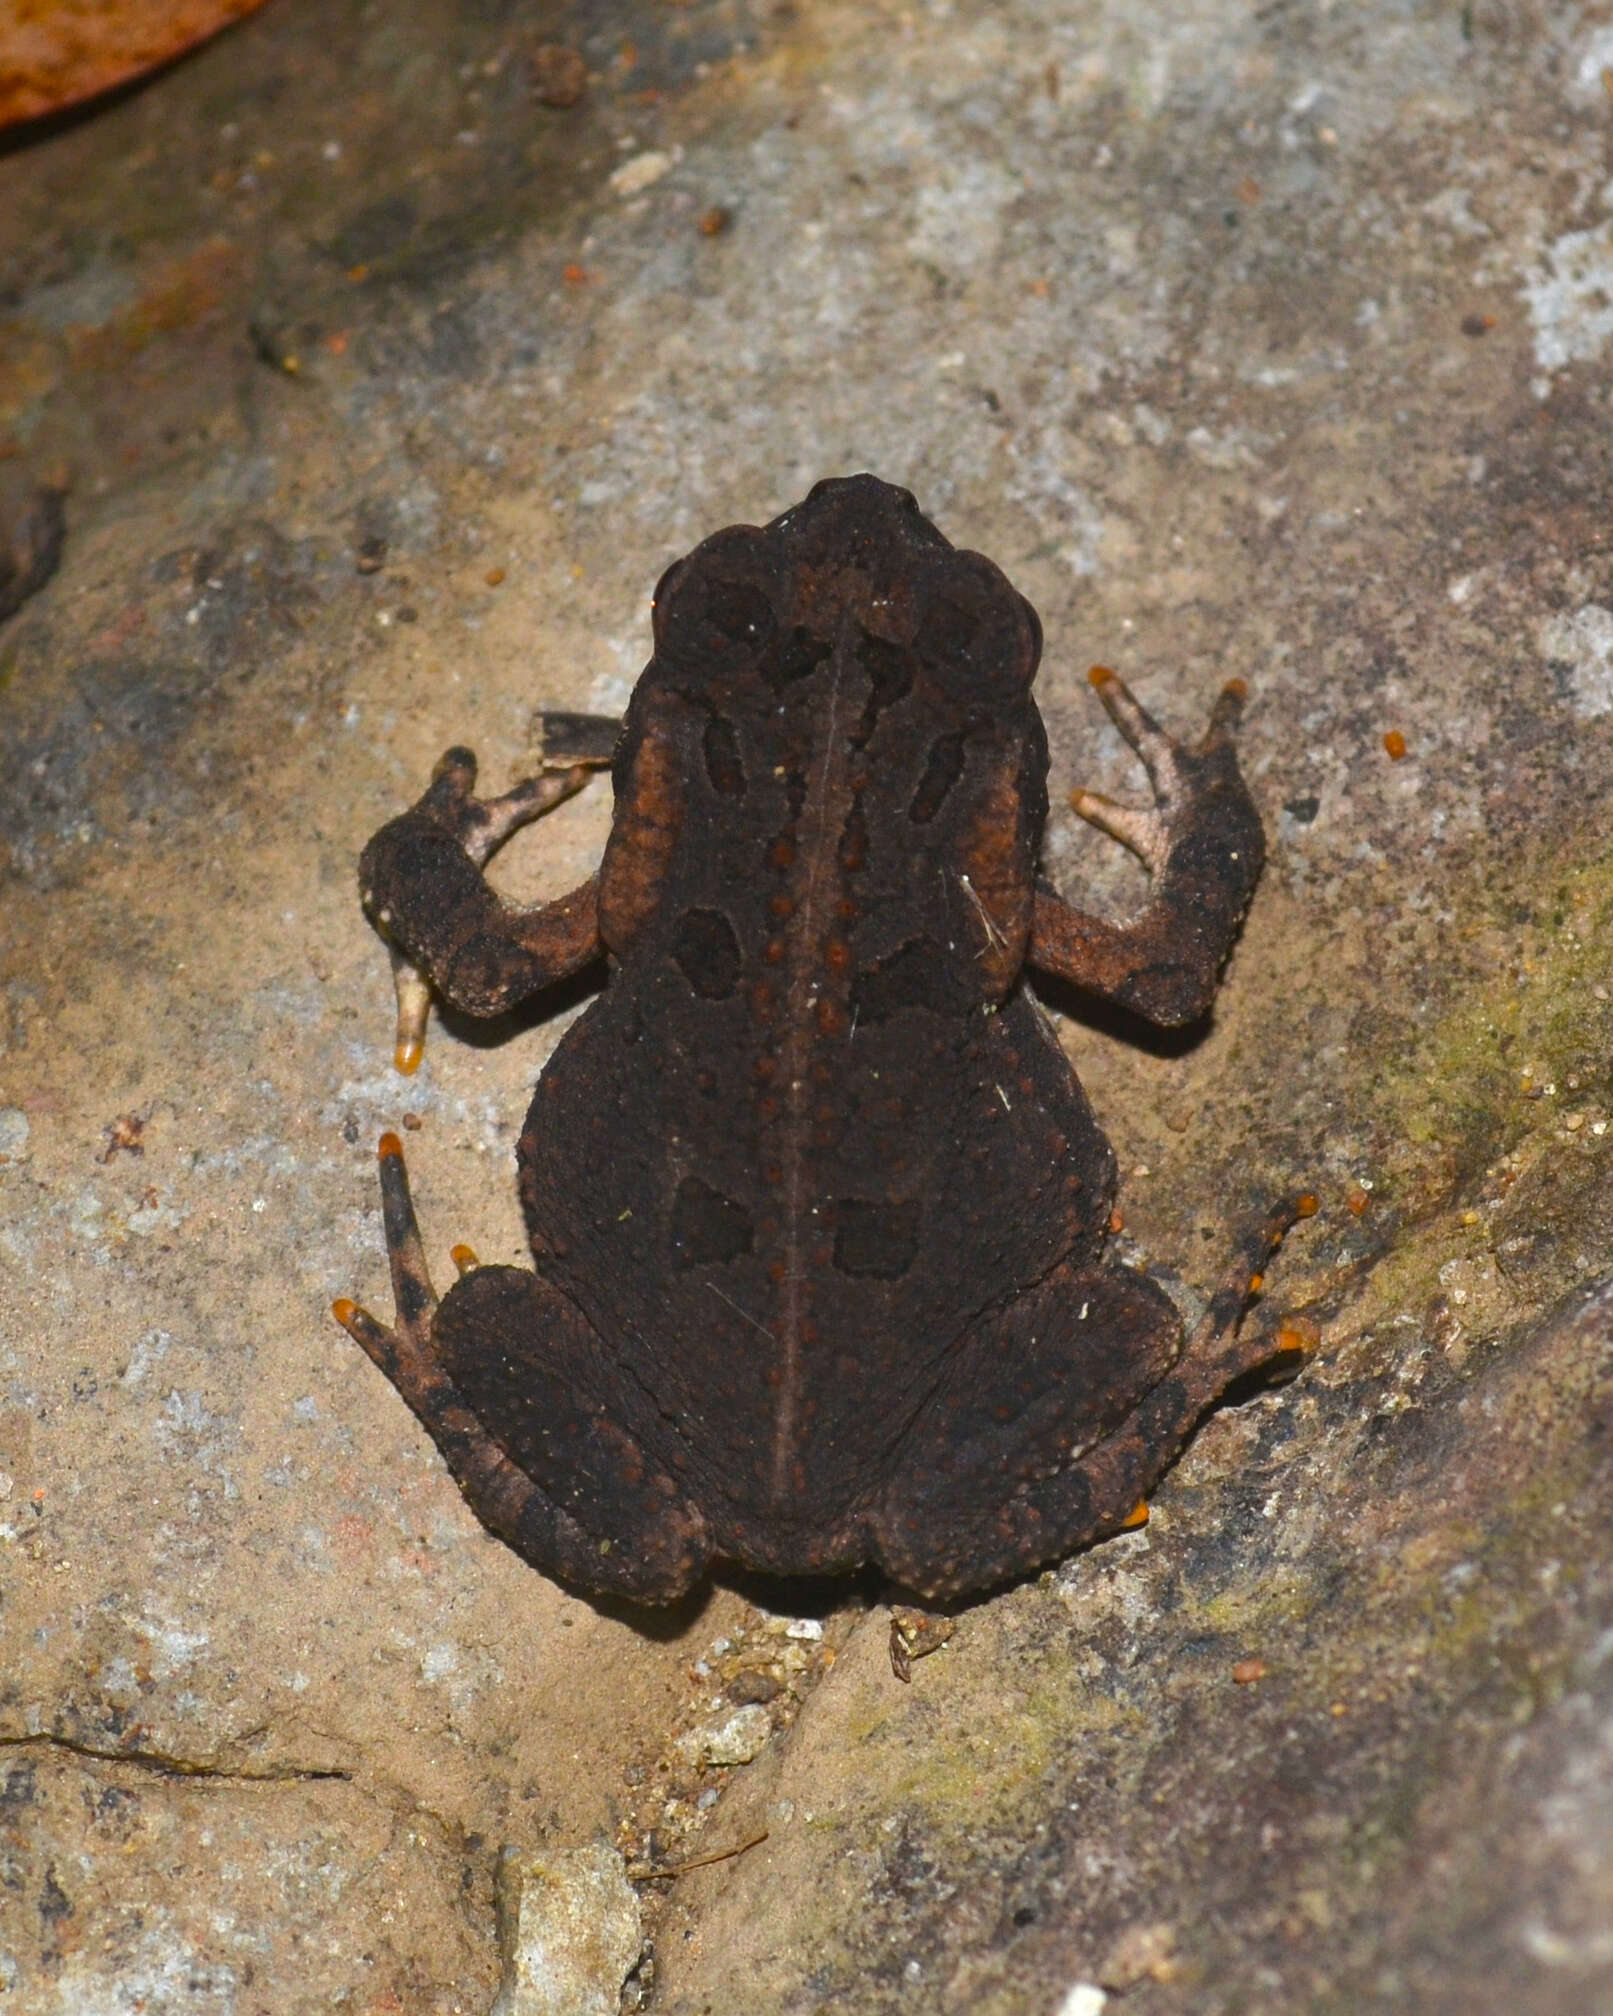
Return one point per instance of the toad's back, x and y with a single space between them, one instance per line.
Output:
830 1131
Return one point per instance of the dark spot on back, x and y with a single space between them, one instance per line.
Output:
723 767
876 1242
707 1227
890 669
941 772
707 952
918 975
792 656
795 790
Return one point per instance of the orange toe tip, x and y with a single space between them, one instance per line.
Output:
389 1144
1137 1516
1256 1283
1238 688
464 1258
1308 1205
1300 1335
1099 675
406 1057
343 1310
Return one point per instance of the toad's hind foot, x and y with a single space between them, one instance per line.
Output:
404 1351
1215 1338
961 1520
1120 1472
499 1494
505 1348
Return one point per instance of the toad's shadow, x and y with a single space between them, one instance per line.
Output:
1123 1025
492 1032
807 1596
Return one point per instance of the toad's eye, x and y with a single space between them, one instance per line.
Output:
976 638
742 613
713 611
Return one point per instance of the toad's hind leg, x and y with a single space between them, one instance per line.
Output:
959 1519
571 1493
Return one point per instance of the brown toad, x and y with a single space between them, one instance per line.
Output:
817 1205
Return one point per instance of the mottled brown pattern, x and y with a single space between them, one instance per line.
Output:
817 1206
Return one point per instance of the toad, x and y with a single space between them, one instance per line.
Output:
818 1208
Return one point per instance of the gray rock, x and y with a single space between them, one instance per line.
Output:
570 1932
1270 341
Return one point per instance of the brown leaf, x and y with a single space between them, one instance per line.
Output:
55 53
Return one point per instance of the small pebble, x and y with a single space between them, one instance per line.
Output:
570 1932
1086 1998
735 1740
558 76
1142 1953
754 1685
640 171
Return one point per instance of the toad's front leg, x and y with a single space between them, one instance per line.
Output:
1202 844
422 885
500 1374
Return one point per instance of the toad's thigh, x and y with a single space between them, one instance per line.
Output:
525 1361
1040 1382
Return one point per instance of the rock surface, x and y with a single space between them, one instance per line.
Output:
383 385
572 1930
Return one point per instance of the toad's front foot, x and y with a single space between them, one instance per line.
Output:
422 886
1198 793
1202 844
479 826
